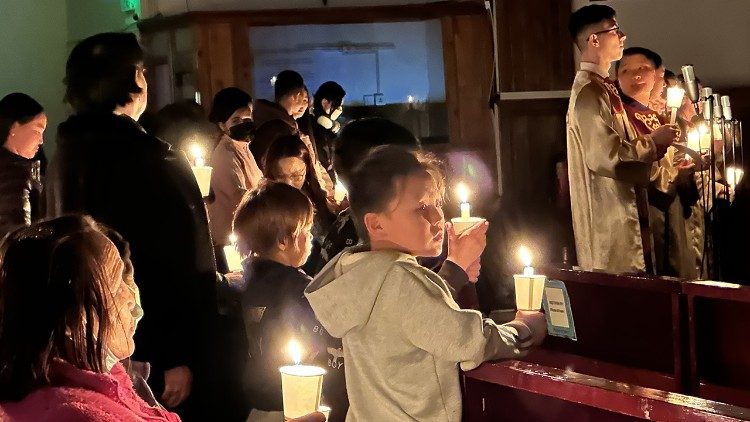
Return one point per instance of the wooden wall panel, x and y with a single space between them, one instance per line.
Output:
467 55
223 58
536 53
532 134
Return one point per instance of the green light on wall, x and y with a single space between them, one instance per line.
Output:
130 5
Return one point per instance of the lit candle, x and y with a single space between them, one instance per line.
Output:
529 287
705 140
463 195
674 101
693 143
301 385
201 171
734 175
339 192
465 221
232 255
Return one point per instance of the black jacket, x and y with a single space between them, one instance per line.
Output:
275 310
107 166
19 192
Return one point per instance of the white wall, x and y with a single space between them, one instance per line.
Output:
713 35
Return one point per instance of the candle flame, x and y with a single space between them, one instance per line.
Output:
462 191
233 238
734 175
295 351
674 96
196 151
525 255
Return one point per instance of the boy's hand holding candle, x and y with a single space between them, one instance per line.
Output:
465 249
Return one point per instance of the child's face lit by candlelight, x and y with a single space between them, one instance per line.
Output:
413 221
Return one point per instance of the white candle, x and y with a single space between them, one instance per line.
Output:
465 221
674 100
529 287
339 192
693 143
705 140
301 385
734 175
201 171
232 255
463 195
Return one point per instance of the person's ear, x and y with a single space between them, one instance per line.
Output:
373 225
326 105
285 243
594 40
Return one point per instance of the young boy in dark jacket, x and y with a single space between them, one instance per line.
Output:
274 223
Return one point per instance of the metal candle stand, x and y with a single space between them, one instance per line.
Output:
716 111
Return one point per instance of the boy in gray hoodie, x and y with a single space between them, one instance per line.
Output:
404 337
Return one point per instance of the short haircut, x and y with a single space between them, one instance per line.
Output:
330 91
180 122
270 214
375 181
357 137
668 75
100 72
586 16
287 82
226 102
650 55
52 285
16 108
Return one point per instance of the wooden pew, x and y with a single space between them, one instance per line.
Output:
719 314
522 391
629 330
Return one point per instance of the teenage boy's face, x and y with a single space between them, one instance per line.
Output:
414 222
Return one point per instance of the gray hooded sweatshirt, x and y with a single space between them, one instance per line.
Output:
403 335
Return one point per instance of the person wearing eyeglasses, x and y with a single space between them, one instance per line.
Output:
609 164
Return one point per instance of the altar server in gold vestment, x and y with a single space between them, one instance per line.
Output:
608 163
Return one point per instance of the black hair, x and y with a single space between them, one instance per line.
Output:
330 91
180 122
650 55
374 182
292 146
226 102
100 72
16 108
357 137
287 82
588 15
668 74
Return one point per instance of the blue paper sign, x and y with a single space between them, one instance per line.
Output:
557 310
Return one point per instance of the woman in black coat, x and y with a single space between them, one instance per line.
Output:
22 125
107 166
